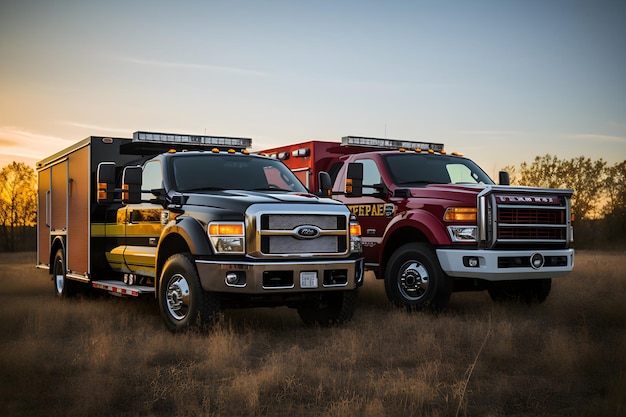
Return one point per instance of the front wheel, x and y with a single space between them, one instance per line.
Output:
529 291
414 280
329 308
182 301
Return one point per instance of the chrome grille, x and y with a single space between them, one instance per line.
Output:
515 217
277 229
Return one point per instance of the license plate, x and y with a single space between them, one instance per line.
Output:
308 279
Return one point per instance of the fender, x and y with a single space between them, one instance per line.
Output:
425 222
191 231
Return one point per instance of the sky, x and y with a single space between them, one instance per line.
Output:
501 81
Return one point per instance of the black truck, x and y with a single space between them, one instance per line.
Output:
198 222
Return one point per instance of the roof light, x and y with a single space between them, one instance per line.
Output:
301 153
389 143
199 140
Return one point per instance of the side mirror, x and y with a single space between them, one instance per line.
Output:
503 178
354 180
105 179
325 184
131 185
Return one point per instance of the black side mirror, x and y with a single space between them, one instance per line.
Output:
105 179
325 184
354 180
503 178
131 185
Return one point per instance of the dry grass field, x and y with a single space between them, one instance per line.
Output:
108 356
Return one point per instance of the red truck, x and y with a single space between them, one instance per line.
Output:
435 223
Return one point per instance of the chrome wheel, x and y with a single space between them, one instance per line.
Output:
413 280
178 297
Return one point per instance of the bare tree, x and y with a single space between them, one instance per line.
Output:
18 202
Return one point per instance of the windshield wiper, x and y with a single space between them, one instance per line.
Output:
421 182
269 189
191 190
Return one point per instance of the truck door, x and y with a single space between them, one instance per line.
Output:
372 210
144 225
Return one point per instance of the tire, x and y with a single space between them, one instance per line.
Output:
531 291
415 281
330 308
183 303
63 287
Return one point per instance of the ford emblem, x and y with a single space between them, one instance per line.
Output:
307 232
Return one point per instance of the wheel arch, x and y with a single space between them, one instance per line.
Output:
185 236
416 226
57 243
397 238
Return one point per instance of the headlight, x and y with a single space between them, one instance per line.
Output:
227 237
463 233
356 244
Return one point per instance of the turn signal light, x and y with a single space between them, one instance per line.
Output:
229 229
460 214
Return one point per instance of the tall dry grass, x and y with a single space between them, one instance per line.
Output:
106 356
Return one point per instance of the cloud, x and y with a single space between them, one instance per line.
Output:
601 138
493 132
95 127
187 65
23 144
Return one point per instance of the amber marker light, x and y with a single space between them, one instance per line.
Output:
226 229
355 229
460 214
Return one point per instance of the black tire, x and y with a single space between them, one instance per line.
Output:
415 281
183 303
531 291
63 287
329 308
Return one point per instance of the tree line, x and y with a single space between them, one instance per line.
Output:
599 199
599 190
18 207
598 203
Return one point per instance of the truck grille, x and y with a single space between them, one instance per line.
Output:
295 231
517 217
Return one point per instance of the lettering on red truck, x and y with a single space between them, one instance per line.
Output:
372 210
199 223
435 223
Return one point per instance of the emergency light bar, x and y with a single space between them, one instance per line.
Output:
390 143
196 140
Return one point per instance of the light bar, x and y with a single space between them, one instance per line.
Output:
390 143
199 140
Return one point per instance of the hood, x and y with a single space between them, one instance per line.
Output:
240 200
457 192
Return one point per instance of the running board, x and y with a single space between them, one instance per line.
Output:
118 287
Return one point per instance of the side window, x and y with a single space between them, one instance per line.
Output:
151 178
371 175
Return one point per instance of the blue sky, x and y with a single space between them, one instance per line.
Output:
500 81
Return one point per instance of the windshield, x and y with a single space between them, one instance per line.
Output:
409 169
206 172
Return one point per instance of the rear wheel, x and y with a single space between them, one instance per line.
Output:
63 287
529 291
414 280
182 301
330 308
